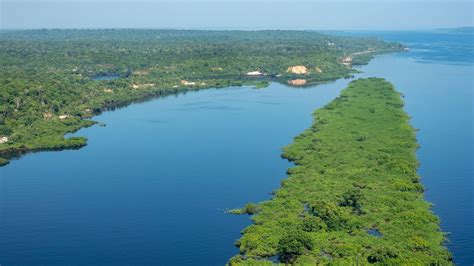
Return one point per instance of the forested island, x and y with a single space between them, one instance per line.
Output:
354 196
53 81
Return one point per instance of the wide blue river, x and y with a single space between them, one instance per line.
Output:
152 186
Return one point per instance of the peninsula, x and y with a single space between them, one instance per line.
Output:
354 196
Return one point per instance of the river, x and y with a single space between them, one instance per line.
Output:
153 184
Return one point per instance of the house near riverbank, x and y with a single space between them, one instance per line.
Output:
347 61
143 86
187 83
254 73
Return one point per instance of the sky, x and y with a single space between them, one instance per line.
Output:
238 14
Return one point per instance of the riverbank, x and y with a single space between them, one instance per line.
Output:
45 96
354 194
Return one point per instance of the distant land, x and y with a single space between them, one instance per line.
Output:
54 80
458 30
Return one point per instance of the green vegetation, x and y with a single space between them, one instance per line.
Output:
262 84
3 162
47 87
363 59
354 196
250 208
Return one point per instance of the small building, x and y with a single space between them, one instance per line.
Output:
347 61
187 83
143 86
254 73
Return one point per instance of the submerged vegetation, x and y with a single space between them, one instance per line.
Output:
354 196
52 80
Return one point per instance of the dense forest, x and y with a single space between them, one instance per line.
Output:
354 196
53 81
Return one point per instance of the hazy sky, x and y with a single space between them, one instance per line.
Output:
243 14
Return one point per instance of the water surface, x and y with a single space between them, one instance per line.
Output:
152 186
437 79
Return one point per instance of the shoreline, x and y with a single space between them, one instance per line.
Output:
82 77
15 153
348 198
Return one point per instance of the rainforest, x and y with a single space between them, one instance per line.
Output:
53 81
184 129
240 132
353 196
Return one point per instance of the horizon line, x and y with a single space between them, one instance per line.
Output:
231 28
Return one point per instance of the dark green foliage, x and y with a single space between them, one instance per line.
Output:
3 162
382 255
361 59
250 208
46 74
356 170
353 198
293 244
333 216
312 224
262 84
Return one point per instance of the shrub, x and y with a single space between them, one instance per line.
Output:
312 224
293 244
352 198
331 214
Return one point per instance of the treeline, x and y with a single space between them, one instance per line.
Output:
46 85
354 196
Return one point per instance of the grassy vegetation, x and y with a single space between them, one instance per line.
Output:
362 59
46 76
354 196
